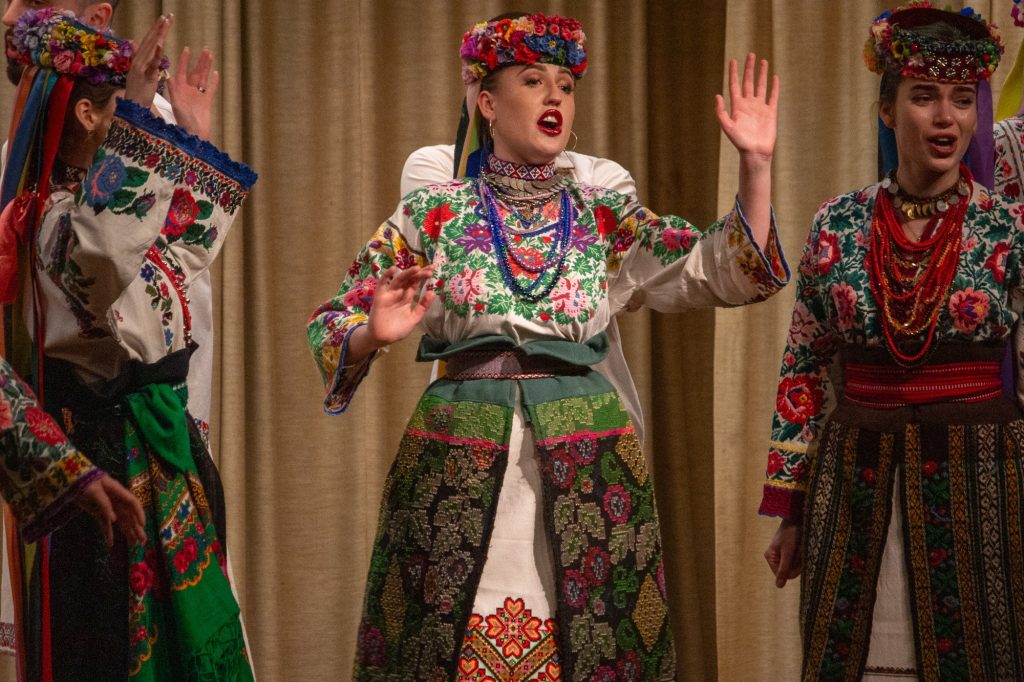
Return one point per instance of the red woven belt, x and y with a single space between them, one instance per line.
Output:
887 386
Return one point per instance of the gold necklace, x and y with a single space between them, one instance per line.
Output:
924 207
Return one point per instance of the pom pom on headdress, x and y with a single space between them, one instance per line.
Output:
529 39
53 39
895 45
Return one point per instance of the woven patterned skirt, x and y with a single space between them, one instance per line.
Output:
957 476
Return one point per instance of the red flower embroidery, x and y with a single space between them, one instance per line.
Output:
617 504
140 577
997 261
929 468
776 462
181 561
43 427
182 213
944 645
869 476
606 220
436 218
828 252
937 556
799 398
968 308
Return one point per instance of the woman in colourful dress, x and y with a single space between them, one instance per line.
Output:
45 480
518 535
895 460
120 211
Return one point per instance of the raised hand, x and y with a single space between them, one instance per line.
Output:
144 74
750 124
191 92
395 311
108 502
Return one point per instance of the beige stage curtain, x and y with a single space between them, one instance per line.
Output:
325 99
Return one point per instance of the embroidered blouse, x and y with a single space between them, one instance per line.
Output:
616 250
40 473
117 253
835 306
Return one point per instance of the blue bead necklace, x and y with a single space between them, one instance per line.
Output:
505 253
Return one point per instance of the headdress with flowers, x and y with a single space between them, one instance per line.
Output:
530 39
53 39
894 45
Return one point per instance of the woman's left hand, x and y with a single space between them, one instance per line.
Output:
751 123
191 92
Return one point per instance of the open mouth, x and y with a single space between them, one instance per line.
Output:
944 144
551 122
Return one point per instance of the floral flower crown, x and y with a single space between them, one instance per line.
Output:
529 39
52 39
894 45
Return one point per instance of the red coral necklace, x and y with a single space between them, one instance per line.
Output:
910 280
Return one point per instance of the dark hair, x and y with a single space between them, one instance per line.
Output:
99 95
939 30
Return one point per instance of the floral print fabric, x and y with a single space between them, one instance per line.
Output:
617 250
117 253
834 307
40 473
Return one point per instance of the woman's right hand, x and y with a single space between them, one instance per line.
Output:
144 74
108 503
395 311
784 554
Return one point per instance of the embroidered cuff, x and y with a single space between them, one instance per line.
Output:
772 259
173 152
347 377
785 502
62 508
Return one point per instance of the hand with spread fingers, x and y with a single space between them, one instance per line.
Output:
191 92
396 309
109 503
144 74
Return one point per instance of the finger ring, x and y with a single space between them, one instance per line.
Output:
200 88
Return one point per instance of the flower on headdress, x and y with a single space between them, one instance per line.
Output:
523 40
53 39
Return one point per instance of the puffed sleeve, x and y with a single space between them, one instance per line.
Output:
428 166
397 242
1008 139
804 392
41 474
153 190
666 263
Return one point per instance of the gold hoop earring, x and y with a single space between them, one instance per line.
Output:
575 140
490 128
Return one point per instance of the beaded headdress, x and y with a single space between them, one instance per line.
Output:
53 39
529 39
894 45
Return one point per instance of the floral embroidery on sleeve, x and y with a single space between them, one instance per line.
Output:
40 473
